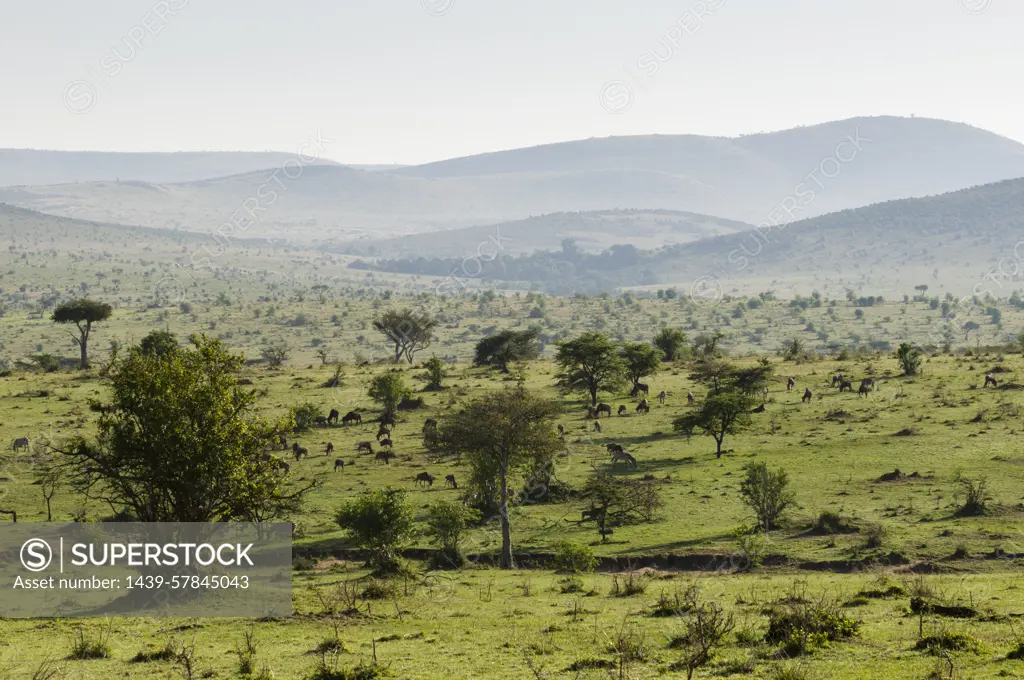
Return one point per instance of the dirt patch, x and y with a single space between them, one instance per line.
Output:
906 432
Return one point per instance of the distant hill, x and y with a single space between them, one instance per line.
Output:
743 179
949 242
592 231
39 166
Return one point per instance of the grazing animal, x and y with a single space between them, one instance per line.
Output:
863 390
330 449
339 463
425 478
20 443
790 383
449 482
300 451
364 446
591 412
845 385
869 383
332 417
561 429
689 398
622 409
989 380
383 456
283 441
383 432
385 442
603 408
837 379
352 417
623 457
807 396
638 388
614 448
759 409
429 424
285 466
643 407
661 397
597 426
388 420
321 421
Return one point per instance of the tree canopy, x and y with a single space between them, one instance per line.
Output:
671 342
388 389
722 413
641 360
180 441
83 313
591 364
504 347
408 331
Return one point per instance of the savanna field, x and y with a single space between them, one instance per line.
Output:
897 559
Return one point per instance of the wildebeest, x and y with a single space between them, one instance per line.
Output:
689 398
364 446
561 429
989 380
429 424
597 426
869 383
623 457
622 409
591 412
299 451
449 482
425 478
20 443
387 419
790 383
383 456
638 388
807 395
643 407
845 384
837 379
604 408
383 432
863 390
332 417
352 417
321 421
759 409
285 466
339 463
661 397
386 443
283 441
614 448
330 449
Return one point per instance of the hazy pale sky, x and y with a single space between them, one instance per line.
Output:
409 81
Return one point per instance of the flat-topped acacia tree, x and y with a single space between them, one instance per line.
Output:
83 313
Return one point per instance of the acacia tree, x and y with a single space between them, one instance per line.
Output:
407 331
502 436
180 441
83 313
590 364
721 414
502 348
671 342
641 360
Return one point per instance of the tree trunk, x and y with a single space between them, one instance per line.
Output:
718 450
506 531
83 345
593 396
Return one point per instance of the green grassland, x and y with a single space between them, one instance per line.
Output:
484 623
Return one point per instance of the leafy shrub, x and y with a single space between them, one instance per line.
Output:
87 647
800 626
950 642
629 585
573 558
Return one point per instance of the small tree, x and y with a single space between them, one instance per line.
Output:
304 415
436 372
83 313
321 291
50 479
503 348
909 358
705 346
719 415
968 327
502 434
275 354
388 389
766 493
590 364
323 354
159 342
447 522
707 626
671 342
641 360
408 331
380 522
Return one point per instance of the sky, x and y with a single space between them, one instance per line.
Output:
411 81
